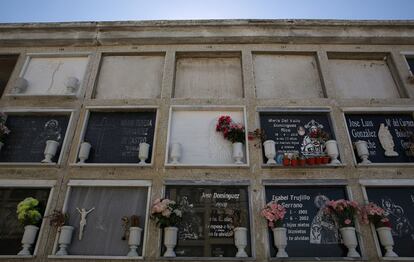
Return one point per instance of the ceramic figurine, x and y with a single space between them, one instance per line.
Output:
386 140
83 213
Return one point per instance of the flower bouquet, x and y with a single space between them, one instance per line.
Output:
344 212
235 133
167 214
274 214
378 217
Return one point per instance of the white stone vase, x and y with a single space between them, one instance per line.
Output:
362 150
280 240
270 151
143 152
238 153
134 241
175 153
20 86
170 240
28 239
350 240
50 150
240 240
385 237
72 84
84 151
331 147
65 238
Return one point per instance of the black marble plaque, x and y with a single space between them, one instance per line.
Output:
115 136
398 202
291 131
209 218
310 231
29 133
367 127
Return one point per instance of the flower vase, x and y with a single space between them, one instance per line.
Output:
385 237
362 150
50 150
240 240
350 241
134 241
175 153
270 151
331 147
143 152
84 151
238 153
65 238
170 240
29 237
280 240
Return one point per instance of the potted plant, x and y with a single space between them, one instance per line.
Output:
4 130
310 160
235 133
240 234
325 159
286 160
134 239
294 160
60 221
167 214
302 160
274 214
344 213
28 214
378 217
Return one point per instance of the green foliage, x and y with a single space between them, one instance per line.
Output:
28 212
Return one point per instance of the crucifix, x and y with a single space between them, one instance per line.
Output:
83 213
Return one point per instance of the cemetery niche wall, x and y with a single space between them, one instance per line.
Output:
116 137
311 232
210 215
382 137
31 135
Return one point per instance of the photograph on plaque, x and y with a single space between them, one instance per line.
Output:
382 138
398 203
210 215
116 137
11 230
297 137
31 136
311 232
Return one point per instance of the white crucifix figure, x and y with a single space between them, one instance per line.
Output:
83 213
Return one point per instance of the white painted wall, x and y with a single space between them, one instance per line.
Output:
130 77
362 79
208 78
47 75
200 143
286 76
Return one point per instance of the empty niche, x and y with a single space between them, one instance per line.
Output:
200 143
130 76
286 76
362 77
51 75
208 77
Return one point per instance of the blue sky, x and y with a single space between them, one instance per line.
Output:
109 10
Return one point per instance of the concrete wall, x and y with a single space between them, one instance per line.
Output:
208 78
363 79
130 77
289 76
245 38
